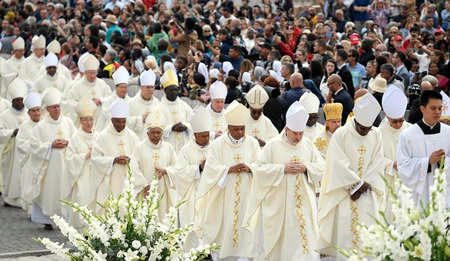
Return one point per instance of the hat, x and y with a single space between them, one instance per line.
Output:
81 61
214 73
33 99
438 31
10 15
154 122
121 75
51 60
366 110
218 90
147 78
265 45
236 114
17 88
296 117
310 102
354 38
200 119
204 71
85 107
333 111
119 108
169 78
51 97
137 41
378 85
257 97
112 19
54 47
18 43
91 63
445 109
394 102
227 67
398 38
39 42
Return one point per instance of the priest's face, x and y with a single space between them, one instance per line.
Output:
51 70
19 53
312 120
121 90
91 75
87 124
147 91
35 114
17 103
154 134
171 92
217 105
237 132
119 123
255 113
396 123
54 111
432 111
333 125
39 52
294 136
362 130
202 138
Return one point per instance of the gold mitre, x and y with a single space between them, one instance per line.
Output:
85 107
169 78
333 111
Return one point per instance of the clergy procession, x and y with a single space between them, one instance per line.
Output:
278 130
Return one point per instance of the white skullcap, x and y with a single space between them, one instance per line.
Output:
445 103
91 63
366 110
214 73
51 60
296 117
227 67
310 101
33 99
17 88
148 78
51 97
218 90
200 119
204 71
54 47
257 97
394 102
39 42
121 75
236 114
246 77
81 61
18 43
119 108
85 107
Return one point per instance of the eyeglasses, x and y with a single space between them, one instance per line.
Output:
397 121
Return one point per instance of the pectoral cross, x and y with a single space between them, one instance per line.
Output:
60 133
174 115
237 158
217 125
93 94
295 159
255 132
121 144
320 144
361 150
155 157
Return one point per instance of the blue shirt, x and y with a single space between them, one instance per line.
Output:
357 73
361 16
111 29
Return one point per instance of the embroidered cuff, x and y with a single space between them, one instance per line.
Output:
354 187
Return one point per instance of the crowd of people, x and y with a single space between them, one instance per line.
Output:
223 103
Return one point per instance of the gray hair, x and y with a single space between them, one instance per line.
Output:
112 53
431 79
258 72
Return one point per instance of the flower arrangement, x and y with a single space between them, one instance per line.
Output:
128 231
414 234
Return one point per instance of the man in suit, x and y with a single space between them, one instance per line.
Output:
338 94
344 71
398 60
295 93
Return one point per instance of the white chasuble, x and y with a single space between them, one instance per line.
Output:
287 201
9 72
104 115
162 155
312 132
223 197
46 81
262 129
30 67
351 158
218 122
139 107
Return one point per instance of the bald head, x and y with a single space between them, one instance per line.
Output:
425 85
360 93
334 82
296 80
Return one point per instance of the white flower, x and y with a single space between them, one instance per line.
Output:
143 250
136 244
131 255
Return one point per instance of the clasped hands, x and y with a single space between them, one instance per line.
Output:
294 168
60 143
365 186
179 127
239 168
121 160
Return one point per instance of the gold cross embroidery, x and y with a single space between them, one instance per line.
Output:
320 144
295 159
155 157
444 106
361 150
121 144
255 132
238 158
217 125
174 115
60 133
20 122
93 93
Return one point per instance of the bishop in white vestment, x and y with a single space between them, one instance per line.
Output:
51 78
311 104
33 63
218 92
333 116
12 66
289 168
421 148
